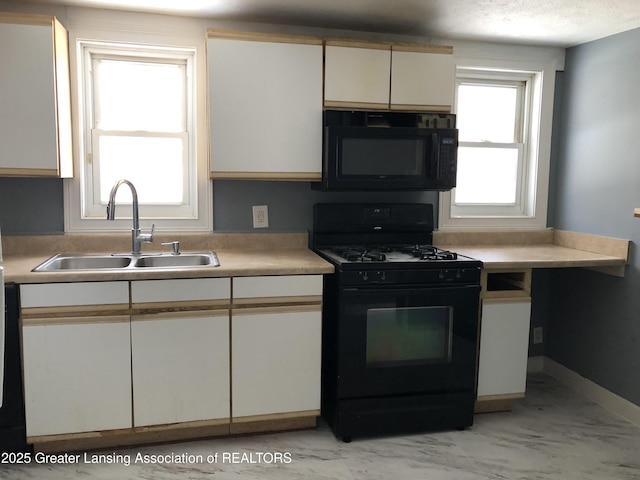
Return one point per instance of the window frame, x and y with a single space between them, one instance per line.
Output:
193 216
530 210
521 81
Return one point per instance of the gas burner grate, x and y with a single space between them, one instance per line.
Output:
429 252
360 254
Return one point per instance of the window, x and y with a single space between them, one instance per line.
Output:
498 182
490 120
138 122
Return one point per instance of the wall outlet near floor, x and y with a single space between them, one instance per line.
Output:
537 335
260 216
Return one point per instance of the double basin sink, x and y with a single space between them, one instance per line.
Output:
68 262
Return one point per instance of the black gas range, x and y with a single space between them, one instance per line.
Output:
400 322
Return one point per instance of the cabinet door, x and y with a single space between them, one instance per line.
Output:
77 374
34 97
180 367
422 81
504 341
357 76
265 110
275 361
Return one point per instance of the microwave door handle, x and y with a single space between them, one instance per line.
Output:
434 158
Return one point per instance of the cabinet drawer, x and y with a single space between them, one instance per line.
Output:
74 294
277 286
193 289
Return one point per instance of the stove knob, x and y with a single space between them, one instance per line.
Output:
383 276
364 275
441 276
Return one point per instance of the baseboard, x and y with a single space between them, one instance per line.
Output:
609 400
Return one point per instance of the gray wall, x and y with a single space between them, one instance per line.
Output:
31 206
594 319
290 203
36 206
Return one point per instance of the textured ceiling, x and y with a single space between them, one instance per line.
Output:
561 23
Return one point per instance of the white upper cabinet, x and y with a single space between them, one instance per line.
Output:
422 79
383 76
357 75
35 105
265 106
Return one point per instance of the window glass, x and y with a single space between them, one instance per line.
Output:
487 113
487 175
137 95
490 153
154 165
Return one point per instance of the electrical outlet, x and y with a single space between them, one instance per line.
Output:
537 335
260 216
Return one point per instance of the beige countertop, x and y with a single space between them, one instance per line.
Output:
546 248
233 263
287 254
534 256
239 255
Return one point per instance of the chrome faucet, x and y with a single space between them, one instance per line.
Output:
137 238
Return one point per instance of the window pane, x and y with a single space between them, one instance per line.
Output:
487 175
141 96
487 113
154 165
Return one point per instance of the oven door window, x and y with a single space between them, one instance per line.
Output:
408 336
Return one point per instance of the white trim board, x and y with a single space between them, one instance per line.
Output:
608 400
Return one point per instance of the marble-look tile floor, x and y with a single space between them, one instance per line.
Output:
553 433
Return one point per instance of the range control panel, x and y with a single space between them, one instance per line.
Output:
434 276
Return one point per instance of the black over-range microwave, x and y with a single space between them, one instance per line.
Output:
388 151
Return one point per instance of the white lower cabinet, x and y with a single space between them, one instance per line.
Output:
155 357
504 341
275 361
77 358
276 330
180 350
180 367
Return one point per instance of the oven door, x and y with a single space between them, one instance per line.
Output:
407 340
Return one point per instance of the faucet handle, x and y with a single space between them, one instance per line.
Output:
147 237
175 245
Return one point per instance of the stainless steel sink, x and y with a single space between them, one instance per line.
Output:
176 261
64 262
67 262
